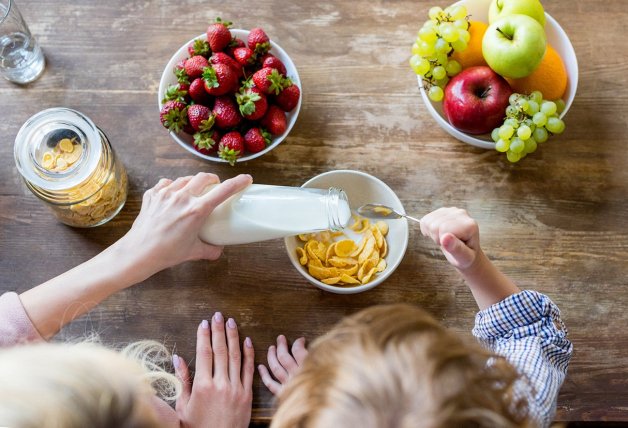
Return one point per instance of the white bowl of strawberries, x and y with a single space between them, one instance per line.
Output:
229 95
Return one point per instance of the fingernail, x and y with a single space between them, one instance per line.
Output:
218 317
248 343
231 323
176 361
205 324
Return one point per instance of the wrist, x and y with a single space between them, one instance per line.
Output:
133 264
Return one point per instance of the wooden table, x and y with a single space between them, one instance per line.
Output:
555 223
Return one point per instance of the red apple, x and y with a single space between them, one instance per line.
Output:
475 100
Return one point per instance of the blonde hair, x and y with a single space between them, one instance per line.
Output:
396 366
83 385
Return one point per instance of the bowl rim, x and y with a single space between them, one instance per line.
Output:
389 268
488 144
290 116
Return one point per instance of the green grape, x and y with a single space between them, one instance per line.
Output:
540 135
459 45
435 12
495 134
415 49
453 67
537 97
439 72
502 145
560 105
465 35
427 34
539 119
524 132
512 122
419 65
530 146
522 103
512 111
443 82
505 132
555 125
512 99
441 46
513 156
449 33
458 12
461 24
435 93
548 108
517 145
442 59
533 108
430 25
426 48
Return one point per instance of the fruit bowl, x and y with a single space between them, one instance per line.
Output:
361 188
556 37
185 140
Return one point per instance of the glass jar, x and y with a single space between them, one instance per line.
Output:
68 162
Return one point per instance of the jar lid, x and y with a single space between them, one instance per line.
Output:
42 133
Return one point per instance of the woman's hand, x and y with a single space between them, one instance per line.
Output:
166 230
221 394
283 363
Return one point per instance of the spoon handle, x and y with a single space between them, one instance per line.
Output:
411 218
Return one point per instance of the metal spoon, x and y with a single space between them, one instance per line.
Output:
379 211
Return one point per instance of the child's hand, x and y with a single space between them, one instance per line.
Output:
221 399
283 364
457 234
166 230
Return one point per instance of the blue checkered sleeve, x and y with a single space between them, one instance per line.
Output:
526 329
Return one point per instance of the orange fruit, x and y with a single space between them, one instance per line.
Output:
550 77
472 55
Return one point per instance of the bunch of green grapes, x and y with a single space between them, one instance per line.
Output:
445 32
530 120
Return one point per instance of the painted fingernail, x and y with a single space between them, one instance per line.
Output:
176 361
248 343
205 324
218 317
231 323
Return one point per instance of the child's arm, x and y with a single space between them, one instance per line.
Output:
164 234
459 238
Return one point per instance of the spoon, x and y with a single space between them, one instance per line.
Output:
379 211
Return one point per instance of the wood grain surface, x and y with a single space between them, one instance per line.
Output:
556 222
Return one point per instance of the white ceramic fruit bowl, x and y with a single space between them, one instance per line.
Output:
185 140
556 36
361 188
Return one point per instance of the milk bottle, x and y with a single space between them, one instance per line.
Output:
262 212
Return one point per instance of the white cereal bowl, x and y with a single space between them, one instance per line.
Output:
185 140
361 188
556 36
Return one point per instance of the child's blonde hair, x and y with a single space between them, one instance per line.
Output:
83 385
396 366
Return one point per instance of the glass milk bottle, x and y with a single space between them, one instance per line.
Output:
68 163
261 212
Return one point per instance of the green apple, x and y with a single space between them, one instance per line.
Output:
514 46
502 8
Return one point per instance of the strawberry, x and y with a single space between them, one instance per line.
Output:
219 79
206 142
272 61
218 35
274 120
223 58
258 41
268 80
244 56
288 99
174 116
231 147
199 47
176 92
253 103
198 93
233 44
200 117
256 140
194 66
179 72
226 112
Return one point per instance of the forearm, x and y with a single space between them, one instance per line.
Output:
487 283
60 300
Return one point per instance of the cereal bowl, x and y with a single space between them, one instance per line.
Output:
185 140
556 36
361 188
